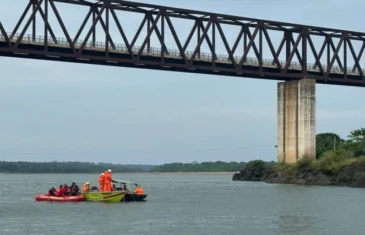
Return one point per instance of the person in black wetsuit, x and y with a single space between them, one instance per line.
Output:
52 192
74 189
67 190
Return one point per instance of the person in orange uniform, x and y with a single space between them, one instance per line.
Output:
101 182
108 181
139 190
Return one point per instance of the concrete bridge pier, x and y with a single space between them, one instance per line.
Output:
296 120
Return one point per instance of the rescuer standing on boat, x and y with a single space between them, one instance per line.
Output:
108 181
101 182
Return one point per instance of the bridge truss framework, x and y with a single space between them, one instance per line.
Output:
254 34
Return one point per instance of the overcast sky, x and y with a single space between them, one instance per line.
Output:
61 111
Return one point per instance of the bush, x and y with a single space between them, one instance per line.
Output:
255 164
361 160
304 164
286 169
281 166
338 155
332 162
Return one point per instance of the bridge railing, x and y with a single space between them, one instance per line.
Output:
156 51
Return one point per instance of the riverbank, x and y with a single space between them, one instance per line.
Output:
333 170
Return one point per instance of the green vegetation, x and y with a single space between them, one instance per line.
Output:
333 155
217 166
354 145
68 167
329 164
339 162
326 142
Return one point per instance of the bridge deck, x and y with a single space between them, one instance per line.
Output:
151 58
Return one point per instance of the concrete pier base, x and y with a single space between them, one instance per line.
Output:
296 120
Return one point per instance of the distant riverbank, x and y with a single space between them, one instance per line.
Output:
197 173
62 173
335 171
147 173
217 167
200 167
69 167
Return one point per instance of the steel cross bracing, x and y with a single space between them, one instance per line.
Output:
259 48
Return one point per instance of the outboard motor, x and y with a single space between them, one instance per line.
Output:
94 189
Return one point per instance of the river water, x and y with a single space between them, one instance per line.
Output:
182 204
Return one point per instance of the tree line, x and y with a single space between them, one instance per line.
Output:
217 166
328 144
89 167
68 167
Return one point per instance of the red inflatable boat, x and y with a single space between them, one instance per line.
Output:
42 198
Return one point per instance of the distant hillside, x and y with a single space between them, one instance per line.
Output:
69 167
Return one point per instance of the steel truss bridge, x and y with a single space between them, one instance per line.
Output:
331 56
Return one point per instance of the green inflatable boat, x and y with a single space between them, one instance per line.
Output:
114 196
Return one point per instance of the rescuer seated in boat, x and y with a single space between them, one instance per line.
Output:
52 192
139 190
66 190
74 189
86 187
114 188
60 191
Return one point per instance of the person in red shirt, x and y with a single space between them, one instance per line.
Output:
60 191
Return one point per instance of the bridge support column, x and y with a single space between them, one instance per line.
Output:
296 120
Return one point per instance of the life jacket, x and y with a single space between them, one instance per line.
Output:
139 190
107 177
101 179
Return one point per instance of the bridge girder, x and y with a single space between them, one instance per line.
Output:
254 39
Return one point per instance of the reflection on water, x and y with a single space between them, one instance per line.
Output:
182 204
291 223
